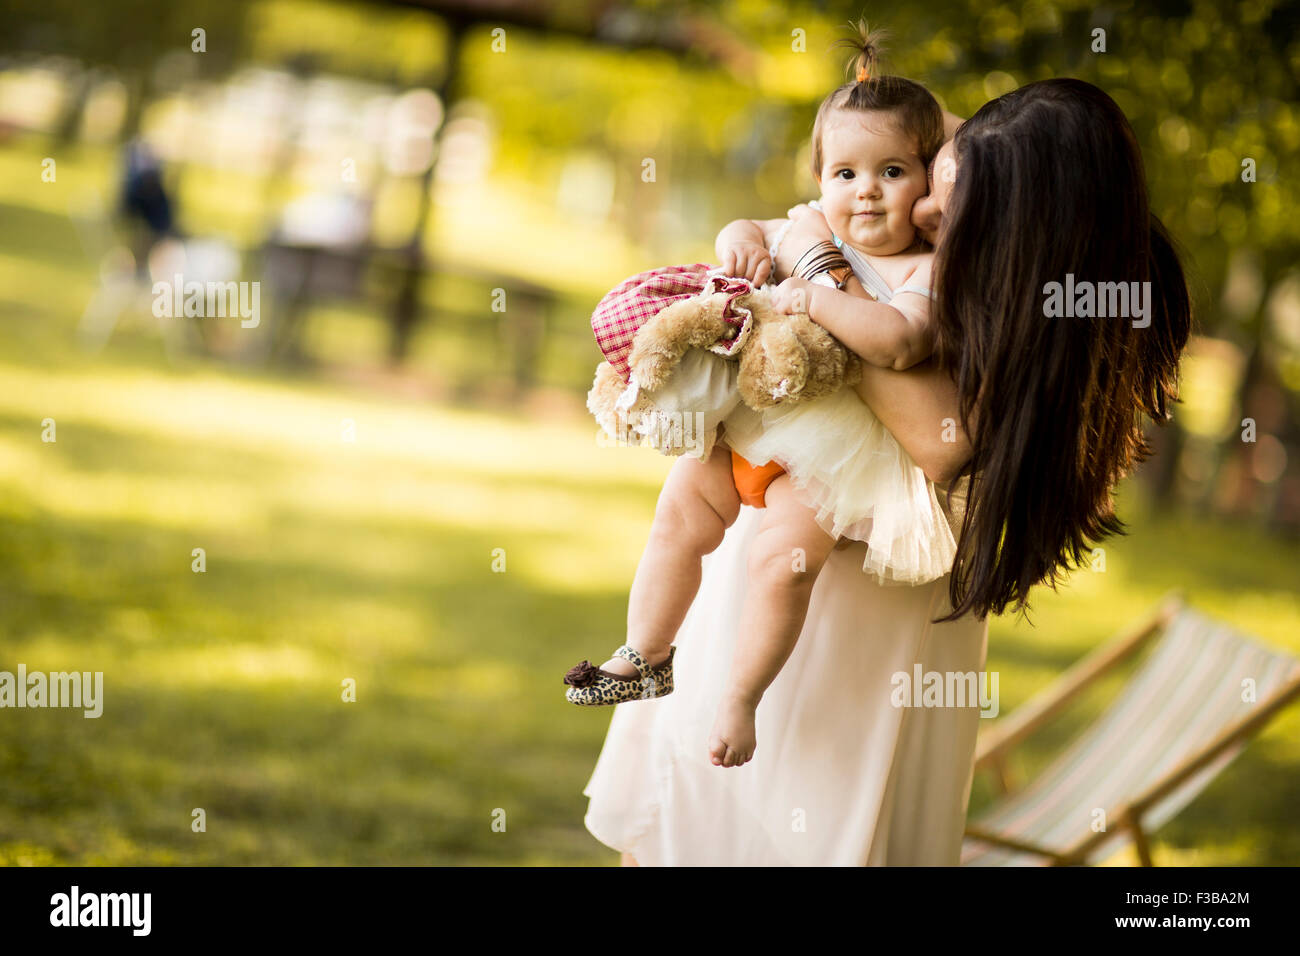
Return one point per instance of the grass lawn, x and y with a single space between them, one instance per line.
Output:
372 560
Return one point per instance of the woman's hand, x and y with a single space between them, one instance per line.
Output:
747 258
792 296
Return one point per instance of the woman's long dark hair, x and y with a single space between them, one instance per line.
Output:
1049 183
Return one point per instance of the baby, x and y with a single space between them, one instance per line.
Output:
830 471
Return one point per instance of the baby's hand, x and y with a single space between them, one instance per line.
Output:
747 258
792 296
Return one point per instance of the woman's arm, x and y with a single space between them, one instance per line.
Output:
919 405
920 408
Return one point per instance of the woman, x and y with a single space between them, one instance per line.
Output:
1030 421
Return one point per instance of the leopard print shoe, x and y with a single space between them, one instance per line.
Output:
592 686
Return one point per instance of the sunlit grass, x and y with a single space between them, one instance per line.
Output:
326 560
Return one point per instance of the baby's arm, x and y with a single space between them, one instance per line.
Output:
742 248
897 335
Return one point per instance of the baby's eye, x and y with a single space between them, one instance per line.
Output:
893 172
849 171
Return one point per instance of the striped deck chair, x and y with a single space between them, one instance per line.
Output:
1176 724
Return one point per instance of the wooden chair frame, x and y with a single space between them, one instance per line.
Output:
993 748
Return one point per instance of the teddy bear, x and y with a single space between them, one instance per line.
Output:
780 358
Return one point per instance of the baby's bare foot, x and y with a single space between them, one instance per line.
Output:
732 741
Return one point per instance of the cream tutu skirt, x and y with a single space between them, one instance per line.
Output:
852 472
845 465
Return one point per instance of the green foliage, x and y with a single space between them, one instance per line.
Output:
131 36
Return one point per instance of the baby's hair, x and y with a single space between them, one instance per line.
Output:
914 108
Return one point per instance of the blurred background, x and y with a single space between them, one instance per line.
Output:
384 473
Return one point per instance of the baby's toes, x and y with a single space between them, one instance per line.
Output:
717 750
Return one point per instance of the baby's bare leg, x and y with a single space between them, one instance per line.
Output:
784 561
696 506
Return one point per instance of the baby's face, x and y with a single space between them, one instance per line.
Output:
871 176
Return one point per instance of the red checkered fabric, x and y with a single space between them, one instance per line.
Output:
633 302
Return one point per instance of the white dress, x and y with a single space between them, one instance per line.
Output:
840 775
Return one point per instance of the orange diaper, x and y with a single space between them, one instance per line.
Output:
752 481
